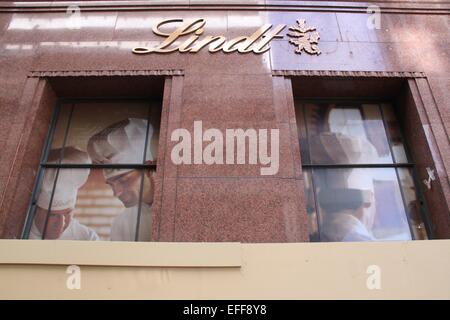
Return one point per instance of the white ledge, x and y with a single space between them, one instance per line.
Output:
103 253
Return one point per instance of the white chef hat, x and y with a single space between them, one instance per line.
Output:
69 180
340 148
122 143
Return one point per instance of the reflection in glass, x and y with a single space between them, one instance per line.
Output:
122 142
395 137
86 206
355 190
412 203
310 207
54 214
80 202
106 129
302 134
360 205
345 134
135 190
61 127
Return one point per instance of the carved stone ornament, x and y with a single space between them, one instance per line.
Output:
305 38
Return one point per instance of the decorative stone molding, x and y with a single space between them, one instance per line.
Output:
401 6
333 73
103 73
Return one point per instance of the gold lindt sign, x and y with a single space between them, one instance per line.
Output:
258 42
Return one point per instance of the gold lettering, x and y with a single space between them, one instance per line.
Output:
241 44
246 47
214 42
171 37
142 50
184 47
233 44
214 47
263 46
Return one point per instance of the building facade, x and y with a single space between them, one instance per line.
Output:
220 136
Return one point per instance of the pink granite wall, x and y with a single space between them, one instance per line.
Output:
212 203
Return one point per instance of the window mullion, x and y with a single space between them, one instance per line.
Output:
361 165
99 166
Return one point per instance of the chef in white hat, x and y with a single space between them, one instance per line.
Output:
123 143
59 223
348 214
350 210
346 196
345 141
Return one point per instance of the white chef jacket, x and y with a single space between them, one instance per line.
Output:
345 227
124 225
358 232
75 231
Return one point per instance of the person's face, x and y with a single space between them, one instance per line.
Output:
58 221
126 187
149 187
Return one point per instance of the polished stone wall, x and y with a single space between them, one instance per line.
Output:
217 203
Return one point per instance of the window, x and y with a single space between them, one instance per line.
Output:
96 180
359 181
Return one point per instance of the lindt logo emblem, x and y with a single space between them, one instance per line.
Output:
192 39
305 38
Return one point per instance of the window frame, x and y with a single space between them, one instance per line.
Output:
43 164
395 165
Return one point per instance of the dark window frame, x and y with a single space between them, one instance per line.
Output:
409 164
43 164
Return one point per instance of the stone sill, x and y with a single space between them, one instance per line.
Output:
130 254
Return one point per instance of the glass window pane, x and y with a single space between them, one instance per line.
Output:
346 134
62 124
360 205
112 133
87 206
398 149
412 203
302 136
375 132
310 207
